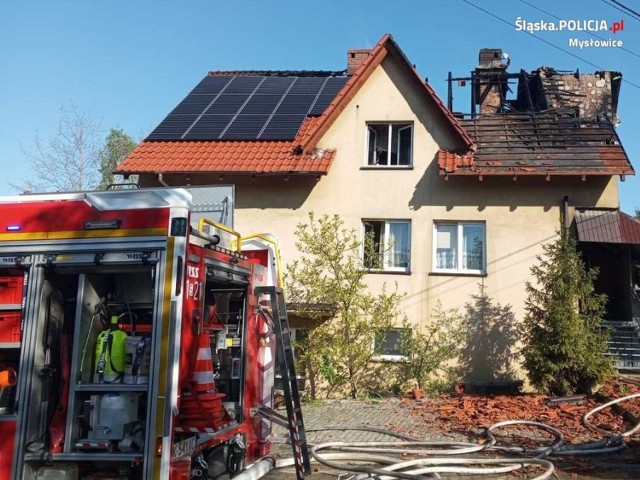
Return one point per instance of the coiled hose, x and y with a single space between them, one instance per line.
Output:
444 457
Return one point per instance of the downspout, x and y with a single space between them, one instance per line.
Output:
163 183
565 212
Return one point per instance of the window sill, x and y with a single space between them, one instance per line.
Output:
384 167
390 358
458 274
389 272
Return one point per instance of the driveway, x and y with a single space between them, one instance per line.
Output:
402 416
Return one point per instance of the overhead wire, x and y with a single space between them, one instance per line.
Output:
620 9
590 33
547 42
626 8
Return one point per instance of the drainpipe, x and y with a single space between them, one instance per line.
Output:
161 181
565 212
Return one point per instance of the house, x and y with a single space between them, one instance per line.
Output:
461 203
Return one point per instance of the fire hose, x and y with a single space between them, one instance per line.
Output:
444 457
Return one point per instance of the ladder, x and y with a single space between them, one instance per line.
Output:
284 357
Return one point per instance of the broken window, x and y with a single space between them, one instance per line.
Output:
390 247
389 144
459 247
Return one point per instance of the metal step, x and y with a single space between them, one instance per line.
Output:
624 344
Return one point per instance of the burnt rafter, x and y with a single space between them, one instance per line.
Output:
558 123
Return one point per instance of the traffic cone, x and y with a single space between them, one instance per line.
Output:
202 374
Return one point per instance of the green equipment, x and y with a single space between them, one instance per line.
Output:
110 354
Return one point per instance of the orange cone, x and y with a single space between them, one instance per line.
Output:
202 374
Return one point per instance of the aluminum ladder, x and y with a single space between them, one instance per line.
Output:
284 356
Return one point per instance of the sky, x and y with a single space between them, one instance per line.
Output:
128 63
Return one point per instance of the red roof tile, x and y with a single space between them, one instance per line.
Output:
297 156
227 156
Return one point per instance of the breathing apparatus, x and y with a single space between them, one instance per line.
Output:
110 354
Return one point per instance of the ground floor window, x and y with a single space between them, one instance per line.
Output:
392 245
387 344
459 247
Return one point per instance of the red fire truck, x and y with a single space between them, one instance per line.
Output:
138 338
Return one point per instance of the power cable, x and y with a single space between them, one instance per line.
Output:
548 43
626 10
558 18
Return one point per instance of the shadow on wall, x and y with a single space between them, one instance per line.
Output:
489 353
434 190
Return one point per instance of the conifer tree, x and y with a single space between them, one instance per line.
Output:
564 341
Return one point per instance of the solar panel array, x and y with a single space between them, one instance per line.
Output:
248 108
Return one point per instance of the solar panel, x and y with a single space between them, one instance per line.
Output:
282 127
333 85
193 104
275 85
295 104
227 104
243 85
172 127
208 127
245 107
245 126
321 104
211 85
261 104
308 85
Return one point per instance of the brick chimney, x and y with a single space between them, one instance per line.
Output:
490 82
355 58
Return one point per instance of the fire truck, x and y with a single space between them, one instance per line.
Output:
139 335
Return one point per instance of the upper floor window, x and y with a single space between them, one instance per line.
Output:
459 247
389 144
391 245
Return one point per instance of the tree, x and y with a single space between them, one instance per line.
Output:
564 341
68 160
116 147
637 213
326 285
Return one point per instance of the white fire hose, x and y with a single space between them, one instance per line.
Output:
383 460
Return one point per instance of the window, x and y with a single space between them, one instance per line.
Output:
387 344
389 144
459 247
391 245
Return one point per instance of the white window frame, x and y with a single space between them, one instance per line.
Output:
389 143
389 358
386 246
459 248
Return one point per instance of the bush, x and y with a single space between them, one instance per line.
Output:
429 348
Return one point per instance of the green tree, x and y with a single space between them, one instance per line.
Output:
564 342
637 213
116 147
327 286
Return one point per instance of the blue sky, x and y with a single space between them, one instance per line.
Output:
128 63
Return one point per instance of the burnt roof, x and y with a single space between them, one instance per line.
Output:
544 143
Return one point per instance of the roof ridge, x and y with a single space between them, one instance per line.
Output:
385 46
277 73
